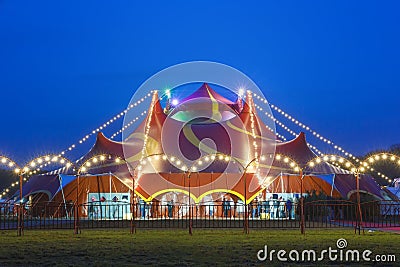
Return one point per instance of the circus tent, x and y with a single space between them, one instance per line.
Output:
161 177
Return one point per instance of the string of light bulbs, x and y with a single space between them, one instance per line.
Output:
86 137
307 128
124 128
107 123
252 122
32 167
286 128
304 126
148 123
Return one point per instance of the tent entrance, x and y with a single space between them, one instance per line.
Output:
109 206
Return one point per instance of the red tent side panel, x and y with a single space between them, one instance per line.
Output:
91 184
152 184
292 184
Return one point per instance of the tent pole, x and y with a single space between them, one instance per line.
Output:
110 198
302 221
190 208
359 221
63 196
76 217
20 209
333 184
109 180
246 217
133 228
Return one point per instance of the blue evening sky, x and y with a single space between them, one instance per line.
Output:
68 66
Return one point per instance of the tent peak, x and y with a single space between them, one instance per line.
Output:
207 92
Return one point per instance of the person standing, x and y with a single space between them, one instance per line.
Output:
170 206
282 205
271 208
289 209
254 207
92 208
142 206
115 207
225 207
103 207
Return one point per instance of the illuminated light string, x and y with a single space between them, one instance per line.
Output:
363 167
336 159
283 126
211 158
98 160
274 107
32 167
101 127
148 124
288 160
108 123
252 124
124 128
381 157
157 157
313 147
256 161
276 133
307 128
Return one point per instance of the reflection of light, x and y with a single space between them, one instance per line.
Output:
241 92
175 102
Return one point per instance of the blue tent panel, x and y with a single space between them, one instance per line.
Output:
329 178
65 179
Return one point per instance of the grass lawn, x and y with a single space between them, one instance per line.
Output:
176 247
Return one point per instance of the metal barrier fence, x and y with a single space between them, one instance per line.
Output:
375 214
318 214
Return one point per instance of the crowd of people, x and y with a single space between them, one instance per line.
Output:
275 207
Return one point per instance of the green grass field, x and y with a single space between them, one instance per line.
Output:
175 247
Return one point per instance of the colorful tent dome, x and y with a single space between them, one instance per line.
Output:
235 130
